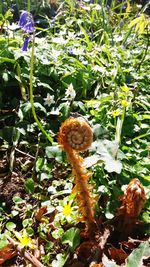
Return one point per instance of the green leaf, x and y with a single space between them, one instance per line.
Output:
18 200
10 226
39 164
72 237
64 109
5 59
57 233
106 151
54 152
8 14
3 241
135 258
30 231
27 107
60 260
14 213
27 222
29 186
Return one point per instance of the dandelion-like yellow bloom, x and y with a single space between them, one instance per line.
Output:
25 240
67 210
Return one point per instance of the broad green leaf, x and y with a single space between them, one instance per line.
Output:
27 222
54 152
72 238
18 200
60 260
136 257
29 185
10 226
106 151
3 241
57 233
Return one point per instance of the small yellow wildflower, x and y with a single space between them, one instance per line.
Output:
125 88
115 113
124 103
25 240
140 23
67 210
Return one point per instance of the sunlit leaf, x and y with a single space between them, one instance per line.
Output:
29 185
136 257
10 226
60 260
72 237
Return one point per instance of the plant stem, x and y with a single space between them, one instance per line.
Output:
119 126
31 95
145 53
29 5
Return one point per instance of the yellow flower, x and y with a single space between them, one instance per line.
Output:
125 88
140 24
25 240
115 113
124 103
67 210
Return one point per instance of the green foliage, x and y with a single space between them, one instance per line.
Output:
71 237
10 226
101 55
3 241
135 258
29 186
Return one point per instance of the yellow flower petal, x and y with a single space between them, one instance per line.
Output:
115 113
67 210
124 103
125 88
25 240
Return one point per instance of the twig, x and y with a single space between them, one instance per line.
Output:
25 154
25 254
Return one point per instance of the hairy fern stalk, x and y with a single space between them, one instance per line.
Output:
75 136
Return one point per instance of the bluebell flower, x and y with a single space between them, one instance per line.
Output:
25 44
27 25
26 22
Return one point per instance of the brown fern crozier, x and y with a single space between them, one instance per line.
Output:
75 136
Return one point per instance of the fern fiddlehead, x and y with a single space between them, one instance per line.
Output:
75 136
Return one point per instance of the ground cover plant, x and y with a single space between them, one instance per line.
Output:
74 133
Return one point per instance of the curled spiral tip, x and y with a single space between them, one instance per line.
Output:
75 133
